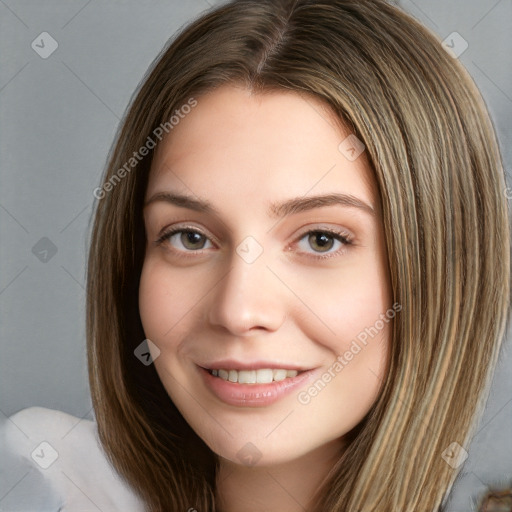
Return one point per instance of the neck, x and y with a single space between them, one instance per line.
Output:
285 487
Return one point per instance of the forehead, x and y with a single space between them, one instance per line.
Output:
277 144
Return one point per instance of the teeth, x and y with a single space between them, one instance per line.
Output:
280 374
264 376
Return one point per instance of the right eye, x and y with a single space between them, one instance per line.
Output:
185 240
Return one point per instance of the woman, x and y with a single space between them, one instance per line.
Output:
300 246
433 178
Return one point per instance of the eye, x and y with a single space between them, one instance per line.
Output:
185 240
317 243
323 242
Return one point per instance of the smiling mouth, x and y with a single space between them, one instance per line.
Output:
263 376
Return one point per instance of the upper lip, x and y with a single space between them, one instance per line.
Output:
231 364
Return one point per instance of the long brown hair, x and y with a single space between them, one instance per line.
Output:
438 170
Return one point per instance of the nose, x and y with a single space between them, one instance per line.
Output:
248 299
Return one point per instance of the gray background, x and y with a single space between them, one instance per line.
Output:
58 117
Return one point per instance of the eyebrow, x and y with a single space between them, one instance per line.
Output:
289 207
302 204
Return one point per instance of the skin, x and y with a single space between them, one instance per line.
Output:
241 152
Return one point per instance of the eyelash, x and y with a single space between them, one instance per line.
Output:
342 236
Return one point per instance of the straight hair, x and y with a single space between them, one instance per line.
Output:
440 179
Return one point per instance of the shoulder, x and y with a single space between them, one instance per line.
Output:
40 419
63 453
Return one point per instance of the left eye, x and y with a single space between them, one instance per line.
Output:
322 241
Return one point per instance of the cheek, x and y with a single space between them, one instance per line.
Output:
358 339
359 315
154 295
356 314
348 388
345 304
167 306
166 302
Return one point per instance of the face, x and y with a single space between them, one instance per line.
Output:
265 284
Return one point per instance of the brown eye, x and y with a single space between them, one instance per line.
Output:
185 240
321 241
192 240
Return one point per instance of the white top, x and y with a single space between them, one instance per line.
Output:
52 461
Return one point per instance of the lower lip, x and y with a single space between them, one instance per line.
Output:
254 395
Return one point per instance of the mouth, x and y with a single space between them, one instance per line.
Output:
259 376
254 387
